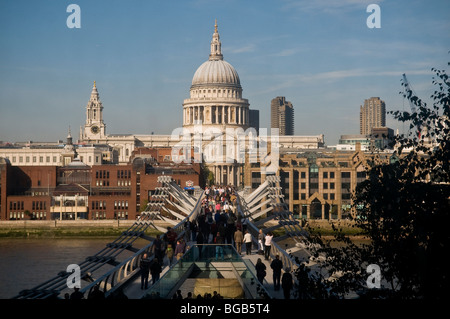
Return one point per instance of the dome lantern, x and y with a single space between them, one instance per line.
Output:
216 46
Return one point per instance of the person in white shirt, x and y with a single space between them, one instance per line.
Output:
267 245
248 242
260 242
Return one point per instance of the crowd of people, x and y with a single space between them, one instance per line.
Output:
218 223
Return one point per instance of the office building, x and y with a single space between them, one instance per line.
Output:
372 114
282 115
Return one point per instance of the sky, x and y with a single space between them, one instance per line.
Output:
321 55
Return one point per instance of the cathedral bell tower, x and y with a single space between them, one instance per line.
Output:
94 128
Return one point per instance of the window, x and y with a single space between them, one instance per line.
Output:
313 171
331 185
332 196
325 174
303 185
331 174
361 174
345 186
325 185
302 174
345 174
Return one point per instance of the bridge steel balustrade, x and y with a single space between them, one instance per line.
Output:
250 207
129 268
119 276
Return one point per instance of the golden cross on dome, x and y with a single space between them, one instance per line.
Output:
215 27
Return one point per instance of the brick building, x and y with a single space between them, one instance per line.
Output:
80 191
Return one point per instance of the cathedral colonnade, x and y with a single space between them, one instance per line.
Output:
225 174
216 114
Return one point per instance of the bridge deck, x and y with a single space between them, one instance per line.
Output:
133 290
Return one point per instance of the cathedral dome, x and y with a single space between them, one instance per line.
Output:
216 72
216 94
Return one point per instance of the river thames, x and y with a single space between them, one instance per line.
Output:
28 262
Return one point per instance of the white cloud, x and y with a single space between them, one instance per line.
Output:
248 48
293 80
328 6
286 52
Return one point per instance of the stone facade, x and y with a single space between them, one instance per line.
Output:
317 184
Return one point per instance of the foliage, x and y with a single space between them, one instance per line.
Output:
403 208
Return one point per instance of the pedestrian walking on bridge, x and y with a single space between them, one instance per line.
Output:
145 270
287 283
248 242
276 266
238 240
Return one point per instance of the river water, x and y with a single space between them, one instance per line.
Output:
26 263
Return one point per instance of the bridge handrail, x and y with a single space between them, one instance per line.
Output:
119 272
135 260
287 260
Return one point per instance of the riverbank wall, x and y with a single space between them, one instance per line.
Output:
113 227
70 228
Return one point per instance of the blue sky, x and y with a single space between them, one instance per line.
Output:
143 54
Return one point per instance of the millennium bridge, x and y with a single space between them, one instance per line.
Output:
115 270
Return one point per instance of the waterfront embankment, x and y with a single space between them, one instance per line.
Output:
69 228
114 227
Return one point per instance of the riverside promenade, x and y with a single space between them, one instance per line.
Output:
69 228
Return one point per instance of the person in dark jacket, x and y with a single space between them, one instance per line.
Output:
180 249
155 269
276 266
219 240
260 270
286 283
145 269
